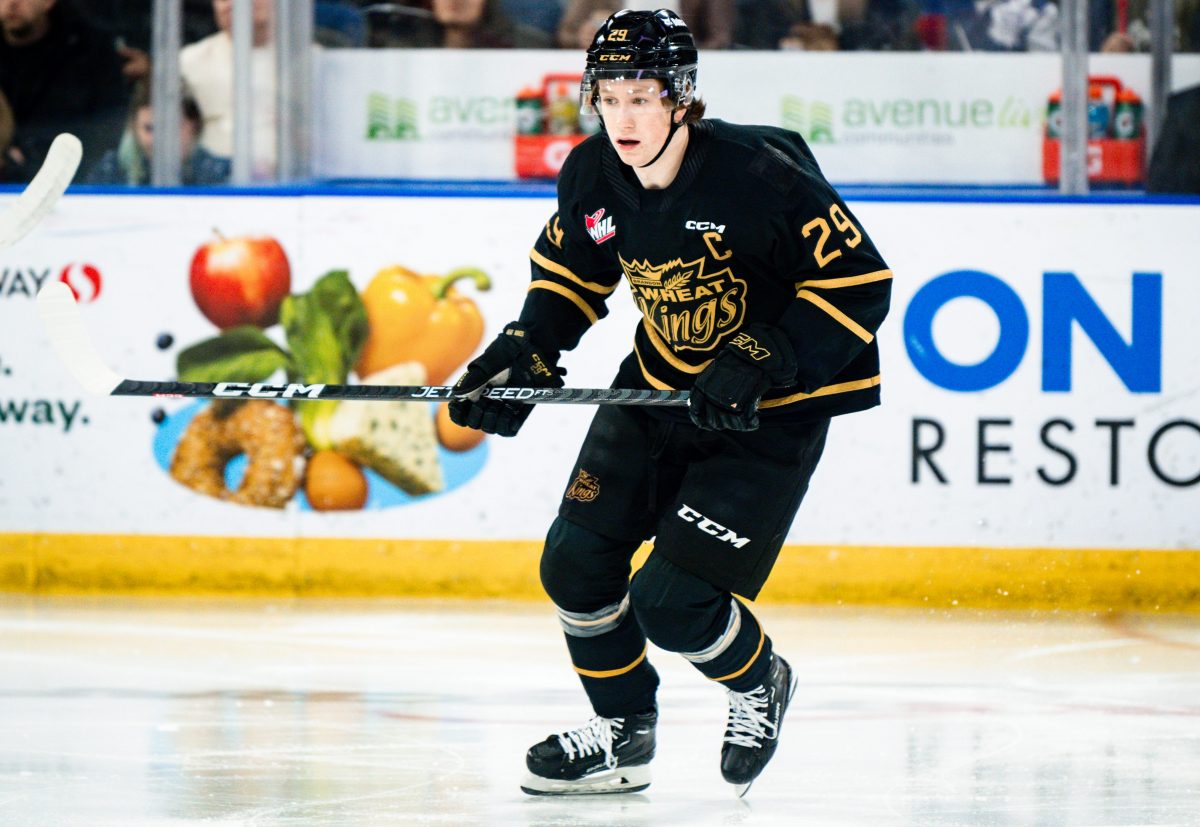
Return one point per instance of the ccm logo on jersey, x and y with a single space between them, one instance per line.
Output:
601 229
260 390
706 525
703 225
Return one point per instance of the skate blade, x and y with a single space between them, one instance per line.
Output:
742 789
620 780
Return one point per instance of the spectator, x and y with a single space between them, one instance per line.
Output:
1111 34
763 24
810 37
482 24
207 69
877 25
339 24
131 21
712 21
129 163
59 75
1004 26
454 24
545 15
581 20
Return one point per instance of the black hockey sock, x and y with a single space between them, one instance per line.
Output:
613 667
739 658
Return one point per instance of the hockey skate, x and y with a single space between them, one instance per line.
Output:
607 755
755 718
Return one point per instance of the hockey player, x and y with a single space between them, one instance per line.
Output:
761 294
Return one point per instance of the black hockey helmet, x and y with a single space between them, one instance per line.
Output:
635 45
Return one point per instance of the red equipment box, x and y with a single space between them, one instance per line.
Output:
542 155
1117 158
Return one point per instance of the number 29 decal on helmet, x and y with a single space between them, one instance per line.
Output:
642 45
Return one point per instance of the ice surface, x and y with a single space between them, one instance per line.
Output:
172 712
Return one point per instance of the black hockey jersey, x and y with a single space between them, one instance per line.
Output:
749 231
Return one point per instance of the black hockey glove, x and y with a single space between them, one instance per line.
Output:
726 394
510 360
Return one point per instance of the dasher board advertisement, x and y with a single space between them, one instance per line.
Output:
1039 377
961 118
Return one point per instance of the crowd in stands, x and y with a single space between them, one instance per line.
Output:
83 65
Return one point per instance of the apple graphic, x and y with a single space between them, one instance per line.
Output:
237 281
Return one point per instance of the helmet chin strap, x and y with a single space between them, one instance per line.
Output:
667 142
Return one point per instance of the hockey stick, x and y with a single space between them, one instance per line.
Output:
43 191
63 322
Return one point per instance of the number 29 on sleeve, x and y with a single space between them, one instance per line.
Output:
842 223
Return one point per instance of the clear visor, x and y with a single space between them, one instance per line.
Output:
668 84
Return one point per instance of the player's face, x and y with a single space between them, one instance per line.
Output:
637 117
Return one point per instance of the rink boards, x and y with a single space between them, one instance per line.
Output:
1039 442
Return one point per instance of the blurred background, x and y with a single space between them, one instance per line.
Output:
992 582
927 92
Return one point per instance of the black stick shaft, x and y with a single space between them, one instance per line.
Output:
377 393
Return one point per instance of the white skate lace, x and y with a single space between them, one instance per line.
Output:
748 721
595 736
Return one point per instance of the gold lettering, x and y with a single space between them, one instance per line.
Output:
704 323
619 34
678 325
711 239
729 307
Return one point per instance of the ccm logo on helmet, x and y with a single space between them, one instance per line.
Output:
263 391
703 225
706 525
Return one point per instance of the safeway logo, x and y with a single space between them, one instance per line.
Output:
83 279
725 535
601 229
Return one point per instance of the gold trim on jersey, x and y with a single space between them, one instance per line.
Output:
828 390
555 232
851 325
657 384
555 287
847 281
665 352
612 673
559 270
762 637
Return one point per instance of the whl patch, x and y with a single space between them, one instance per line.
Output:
599 227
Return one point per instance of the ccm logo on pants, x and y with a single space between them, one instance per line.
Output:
717 530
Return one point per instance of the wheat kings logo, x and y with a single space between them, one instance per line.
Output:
584 488
688 308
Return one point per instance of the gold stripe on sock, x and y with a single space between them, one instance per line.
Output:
612 673
762 637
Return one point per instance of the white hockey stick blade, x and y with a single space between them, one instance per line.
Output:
60 315
43 191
